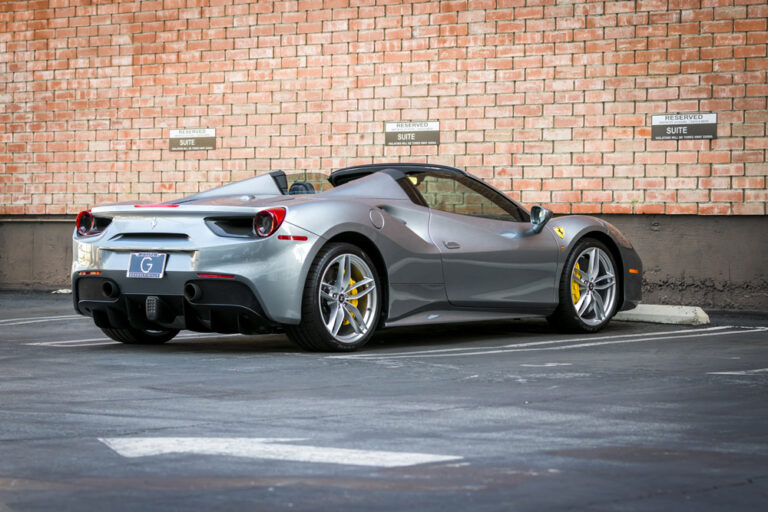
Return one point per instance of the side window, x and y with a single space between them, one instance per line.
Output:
457 194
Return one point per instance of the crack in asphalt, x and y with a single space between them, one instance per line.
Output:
671 492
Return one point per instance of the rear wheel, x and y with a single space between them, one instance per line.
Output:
134 336
588 290
341 302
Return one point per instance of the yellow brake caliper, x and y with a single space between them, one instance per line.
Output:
575 292
353 301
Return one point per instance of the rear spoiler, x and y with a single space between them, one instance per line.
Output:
175 210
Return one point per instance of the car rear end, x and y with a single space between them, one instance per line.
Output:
203 267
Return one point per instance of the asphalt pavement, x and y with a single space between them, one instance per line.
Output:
503 416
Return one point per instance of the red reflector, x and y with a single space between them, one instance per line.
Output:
217 276
90 273
296 238
155 206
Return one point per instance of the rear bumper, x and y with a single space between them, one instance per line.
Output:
273 269
221 305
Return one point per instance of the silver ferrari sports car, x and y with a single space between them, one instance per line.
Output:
328 260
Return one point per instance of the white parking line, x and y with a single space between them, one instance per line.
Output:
563 344
546 365
36 319
88 342
271 449
65 342
742 372
557 341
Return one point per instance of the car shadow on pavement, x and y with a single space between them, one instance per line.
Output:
452 334
395 338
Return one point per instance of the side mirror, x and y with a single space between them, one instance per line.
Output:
539 218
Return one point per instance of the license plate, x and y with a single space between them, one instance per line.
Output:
147 265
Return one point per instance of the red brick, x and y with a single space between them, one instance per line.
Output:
649 208
681 209
757 37
696 15
684 28
749 24
714 209
631 69
749 209
722 13
613 208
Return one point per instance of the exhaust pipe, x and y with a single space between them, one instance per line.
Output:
110 290
192 292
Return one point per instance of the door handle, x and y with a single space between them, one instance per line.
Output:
452 245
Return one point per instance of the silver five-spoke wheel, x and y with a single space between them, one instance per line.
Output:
593 286
348 298
341 303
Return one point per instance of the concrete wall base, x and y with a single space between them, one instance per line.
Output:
714 262
35 252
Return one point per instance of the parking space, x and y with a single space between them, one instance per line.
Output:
497 416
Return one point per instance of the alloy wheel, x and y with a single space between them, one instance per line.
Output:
348 298
593 286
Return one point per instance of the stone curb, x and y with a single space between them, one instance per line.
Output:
659 314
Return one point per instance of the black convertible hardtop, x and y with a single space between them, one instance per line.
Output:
347 174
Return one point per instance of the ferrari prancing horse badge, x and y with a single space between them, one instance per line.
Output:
560 231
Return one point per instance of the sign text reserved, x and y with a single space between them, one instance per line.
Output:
412 133
193 139
683 126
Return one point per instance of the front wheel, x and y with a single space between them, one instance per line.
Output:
134 336
588 289
341 302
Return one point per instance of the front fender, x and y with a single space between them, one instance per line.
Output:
569 230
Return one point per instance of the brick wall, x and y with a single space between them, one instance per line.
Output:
548 100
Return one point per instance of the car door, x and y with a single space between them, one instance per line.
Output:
489 259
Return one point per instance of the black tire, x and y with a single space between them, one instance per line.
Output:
140 336
566 317
312 332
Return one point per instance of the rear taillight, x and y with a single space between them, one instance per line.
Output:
88 225
264 224
85 223
268 221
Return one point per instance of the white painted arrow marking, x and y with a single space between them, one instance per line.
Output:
267 448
